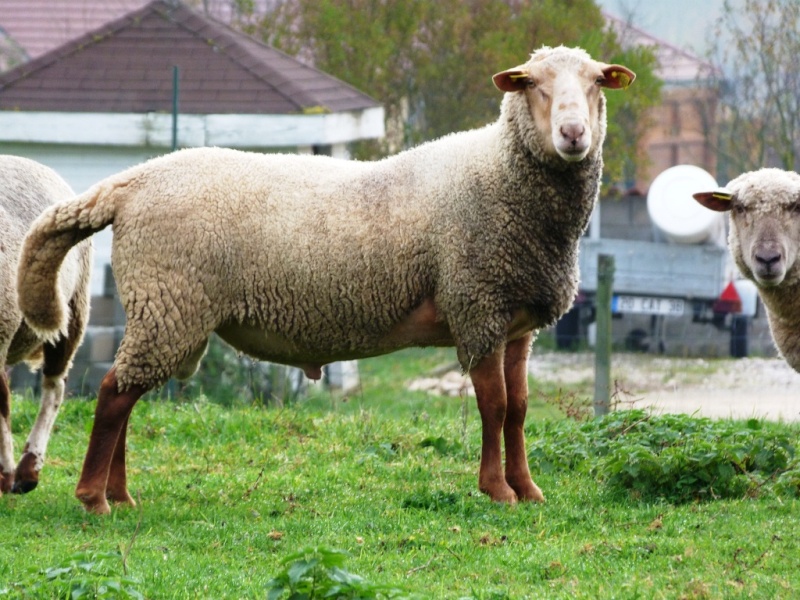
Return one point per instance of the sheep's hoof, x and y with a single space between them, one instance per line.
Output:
23 487
529 493
120 497
534 494
27 477
6 482
500 492
92 503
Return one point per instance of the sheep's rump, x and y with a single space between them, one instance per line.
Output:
27 189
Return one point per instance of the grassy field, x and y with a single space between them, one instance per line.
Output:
228 497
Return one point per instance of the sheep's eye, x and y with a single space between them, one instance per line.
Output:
739 209
795 208
600 80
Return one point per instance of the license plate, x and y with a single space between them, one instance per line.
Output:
646 305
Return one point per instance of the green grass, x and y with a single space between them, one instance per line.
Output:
228 496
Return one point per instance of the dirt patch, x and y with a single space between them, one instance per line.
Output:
743 388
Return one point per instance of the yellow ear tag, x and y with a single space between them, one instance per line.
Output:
624 78
518 76
722 194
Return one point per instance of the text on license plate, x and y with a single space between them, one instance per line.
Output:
647 305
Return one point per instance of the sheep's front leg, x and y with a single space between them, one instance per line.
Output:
515 367
6 441
490 390
106 445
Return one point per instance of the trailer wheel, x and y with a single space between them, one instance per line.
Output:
739 326
637 340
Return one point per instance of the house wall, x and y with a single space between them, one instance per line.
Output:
680 132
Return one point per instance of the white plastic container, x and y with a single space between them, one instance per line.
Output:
676 214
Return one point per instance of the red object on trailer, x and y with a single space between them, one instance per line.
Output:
729 300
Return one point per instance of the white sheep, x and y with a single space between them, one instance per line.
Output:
26 189
764 241
468 241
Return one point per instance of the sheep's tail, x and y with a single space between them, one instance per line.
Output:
49 239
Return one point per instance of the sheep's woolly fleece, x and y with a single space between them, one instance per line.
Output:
27 189
304 260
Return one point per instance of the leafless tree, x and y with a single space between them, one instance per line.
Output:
11 54
757 42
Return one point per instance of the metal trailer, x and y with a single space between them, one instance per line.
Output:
658 279
663 281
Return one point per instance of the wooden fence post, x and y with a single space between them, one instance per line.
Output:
602 363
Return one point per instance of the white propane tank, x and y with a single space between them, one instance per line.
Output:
677 214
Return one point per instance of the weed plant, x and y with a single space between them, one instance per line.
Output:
677 458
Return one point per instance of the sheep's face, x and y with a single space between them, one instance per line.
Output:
764 238
563 90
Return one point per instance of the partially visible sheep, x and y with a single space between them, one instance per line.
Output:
26 189
764 241
470 240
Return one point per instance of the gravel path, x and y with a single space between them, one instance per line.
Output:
749 387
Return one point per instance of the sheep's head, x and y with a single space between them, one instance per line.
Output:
563 91
764 211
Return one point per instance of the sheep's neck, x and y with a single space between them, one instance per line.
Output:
783 312
570 192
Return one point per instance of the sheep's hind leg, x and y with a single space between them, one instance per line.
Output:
57 358
117 485
515 367
6 441
32 459
105 444
490 390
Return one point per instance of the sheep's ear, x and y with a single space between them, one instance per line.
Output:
719 200
617 77
512 80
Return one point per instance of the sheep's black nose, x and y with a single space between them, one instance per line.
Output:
573 132
768 258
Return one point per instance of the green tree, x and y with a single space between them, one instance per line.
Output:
370 44
430 62
758 41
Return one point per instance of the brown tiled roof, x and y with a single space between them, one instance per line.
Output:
38 26
675 65
127 66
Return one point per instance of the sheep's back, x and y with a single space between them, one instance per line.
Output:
311 248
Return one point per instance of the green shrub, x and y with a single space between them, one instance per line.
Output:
675 457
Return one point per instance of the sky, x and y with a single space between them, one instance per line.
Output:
686 24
